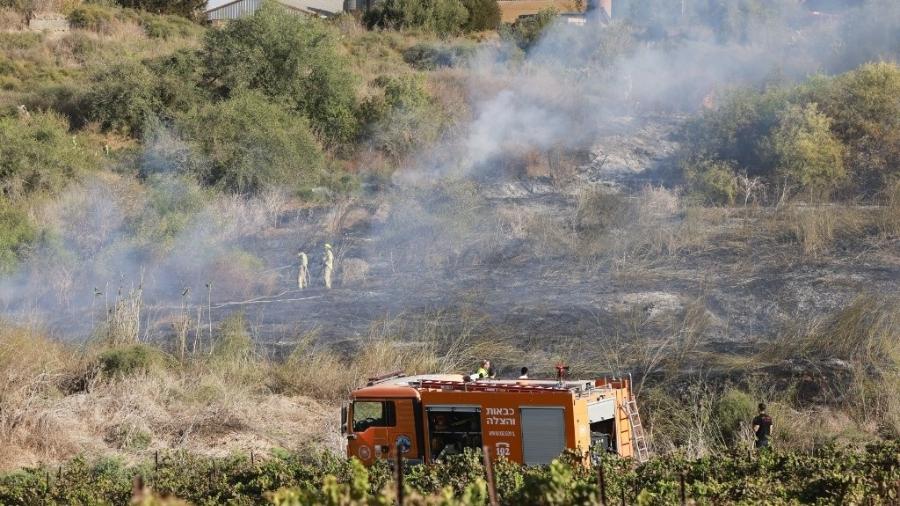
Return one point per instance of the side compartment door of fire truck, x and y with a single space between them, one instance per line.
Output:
603 426
452 429
543 434
378 426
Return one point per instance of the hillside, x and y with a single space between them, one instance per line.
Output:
709 201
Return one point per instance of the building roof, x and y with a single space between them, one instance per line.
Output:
317 7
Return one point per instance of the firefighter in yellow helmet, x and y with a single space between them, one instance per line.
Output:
328 263
303 275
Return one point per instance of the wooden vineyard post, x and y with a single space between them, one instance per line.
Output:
398 467
489 471
601 482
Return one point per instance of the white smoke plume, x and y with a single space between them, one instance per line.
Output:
576 83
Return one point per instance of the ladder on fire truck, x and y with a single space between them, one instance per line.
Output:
638 438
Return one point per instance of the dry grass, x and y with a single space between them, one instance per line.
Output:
11 19
863 337
53 406
440 343
889 218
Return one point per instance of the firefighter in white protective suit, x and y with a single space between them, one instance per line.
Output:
328 263
303 274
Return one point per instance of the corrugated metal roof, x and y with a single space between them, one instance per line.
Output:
219 9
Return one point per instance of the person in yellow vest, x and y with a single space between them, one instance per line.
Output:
483 371
303 275
328 262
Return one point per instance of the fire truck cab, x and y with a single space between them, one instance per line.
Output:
530 422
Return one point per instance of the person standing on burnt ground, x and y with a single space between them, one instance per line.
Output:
762 427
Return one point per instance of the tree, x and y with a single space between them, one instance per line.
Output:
252 143
403 118
807 153
527 31
291 59
865 106
483 15
185 8
123 97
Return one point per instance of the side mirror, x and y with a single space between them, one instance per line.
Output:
344 419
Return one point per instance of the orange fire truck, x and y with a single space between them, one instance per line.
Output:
526 421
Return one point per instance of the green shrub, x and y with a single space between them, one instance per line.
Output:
483 15
738 129
233 342
865 107
830 476
127 437
712 181
123 97
166 27
403 118
38 154
252 143
829 132
20 41
93 17
186 8
807 153
177 78
127 360
430 55
292 59
733 411
172 204
527 30
16 233
442 17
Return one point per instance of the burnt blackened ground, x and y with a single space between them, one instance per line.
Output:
510 249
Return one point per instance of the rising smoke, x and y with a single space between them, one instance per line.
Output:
574 85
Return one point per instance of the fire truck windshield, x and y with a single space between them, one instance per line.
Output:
373 414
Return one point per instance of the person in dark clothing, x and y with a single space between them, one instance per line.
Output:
762 427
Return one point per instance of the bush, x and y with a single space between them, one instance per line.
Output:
38 154
403 118
233 342
712 181
816 136
166 27
526 31
807 153
93 17
252 143
483 15
16 233
442 17
177 78
292 59
737 130
732 413
865 107
125 361
123 97
172 204
187 8
430 56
